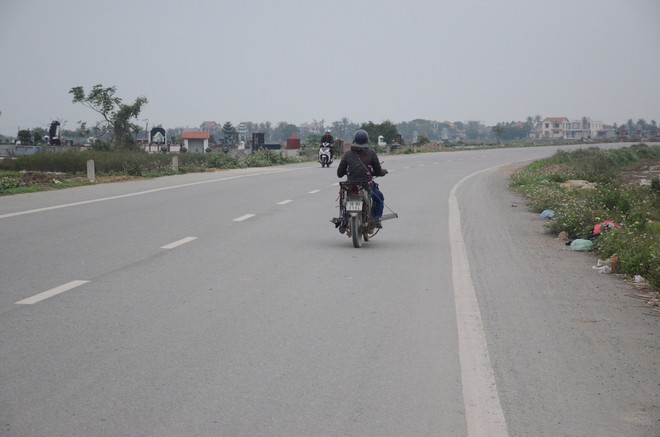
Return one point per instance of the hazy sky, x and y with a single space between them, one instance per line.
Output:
300 60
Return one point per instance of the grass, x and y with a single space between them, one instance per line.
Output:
636 246
55 170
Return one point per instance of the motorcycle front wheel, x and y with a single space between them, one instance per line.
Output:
356 235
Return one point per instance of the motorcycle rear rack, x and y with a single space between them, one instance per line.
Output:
389 216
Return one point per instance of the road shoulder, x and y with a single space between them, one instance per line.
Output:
575 352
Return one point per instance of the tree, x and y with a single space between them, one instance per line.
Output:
386 129
642 127
283 131
24 136
422 140
229 133
472 130
117 116
498 130
630 125
313 140
38 134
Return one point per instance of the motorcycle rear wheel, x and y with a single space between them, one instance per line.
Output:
356 235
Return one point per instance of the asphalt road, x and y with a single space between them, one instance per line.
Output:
227 304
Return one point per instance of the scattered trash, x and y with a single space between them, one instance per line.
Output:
638 279
606 225
603 269
582 245
607 265
563 236
547 214
579 184
613 262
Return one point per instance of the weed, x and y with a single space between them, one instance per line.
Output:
635 208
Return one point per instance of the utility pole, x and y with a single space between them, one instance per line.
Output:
146 133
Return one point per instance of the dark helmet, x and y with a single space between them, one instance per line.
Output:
361 138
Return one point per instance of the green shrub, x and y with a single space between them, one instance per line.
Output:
9 182
637 250
655 186
635 208
576 214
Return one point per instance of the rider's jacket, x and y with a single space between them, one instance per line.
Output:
360 170
327 138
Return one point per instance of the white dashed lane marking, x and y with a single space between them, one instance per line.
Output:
243 217
178 243
284 202
50 293
314 191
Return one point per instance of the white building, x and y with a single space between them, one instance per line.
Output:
584 129
196 142
555 127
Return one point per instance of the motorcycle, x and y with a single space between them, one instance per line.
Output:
355 219
325 158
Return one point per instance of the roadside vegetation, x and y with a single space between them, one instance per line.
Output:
623 186
46 171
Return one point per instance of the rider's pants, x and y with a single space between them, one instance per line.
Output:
379 202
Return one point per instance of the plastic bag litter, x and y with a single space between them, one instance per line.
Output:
606 225
603 269
548 214
582 245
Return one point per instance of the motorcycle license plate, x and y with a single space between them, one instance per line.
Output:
354 206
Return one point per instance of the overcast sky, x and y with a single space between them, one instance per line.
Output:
300 60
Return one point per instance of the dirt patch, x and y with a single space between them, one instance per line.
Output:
641 173
107 179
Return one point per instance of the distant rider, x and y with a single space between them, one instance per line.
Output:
327 138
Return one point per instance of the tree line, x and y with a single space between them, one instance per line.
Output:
118 128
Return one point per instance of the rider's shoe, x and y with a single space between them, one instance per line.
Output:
377 224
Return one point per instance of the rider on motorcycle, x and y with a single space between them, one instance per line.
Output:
327 138
361 164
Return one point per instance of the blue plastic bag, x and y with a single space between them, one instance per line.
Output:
548 214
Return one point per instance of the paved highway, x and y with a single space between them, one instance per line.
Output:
226 303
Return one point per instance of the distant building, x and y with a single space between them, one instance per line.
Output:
555 127
212 128
584 129
195 142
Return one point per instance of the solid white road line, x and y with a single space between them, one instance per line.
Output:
50 293
483 410
243 217
139 193
179 243
284 202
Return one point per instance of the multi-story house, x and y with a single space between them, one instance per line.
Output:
585 129
555 127
212 128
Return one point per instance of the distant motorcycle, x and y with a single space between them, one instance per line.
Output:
325 157
355 219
